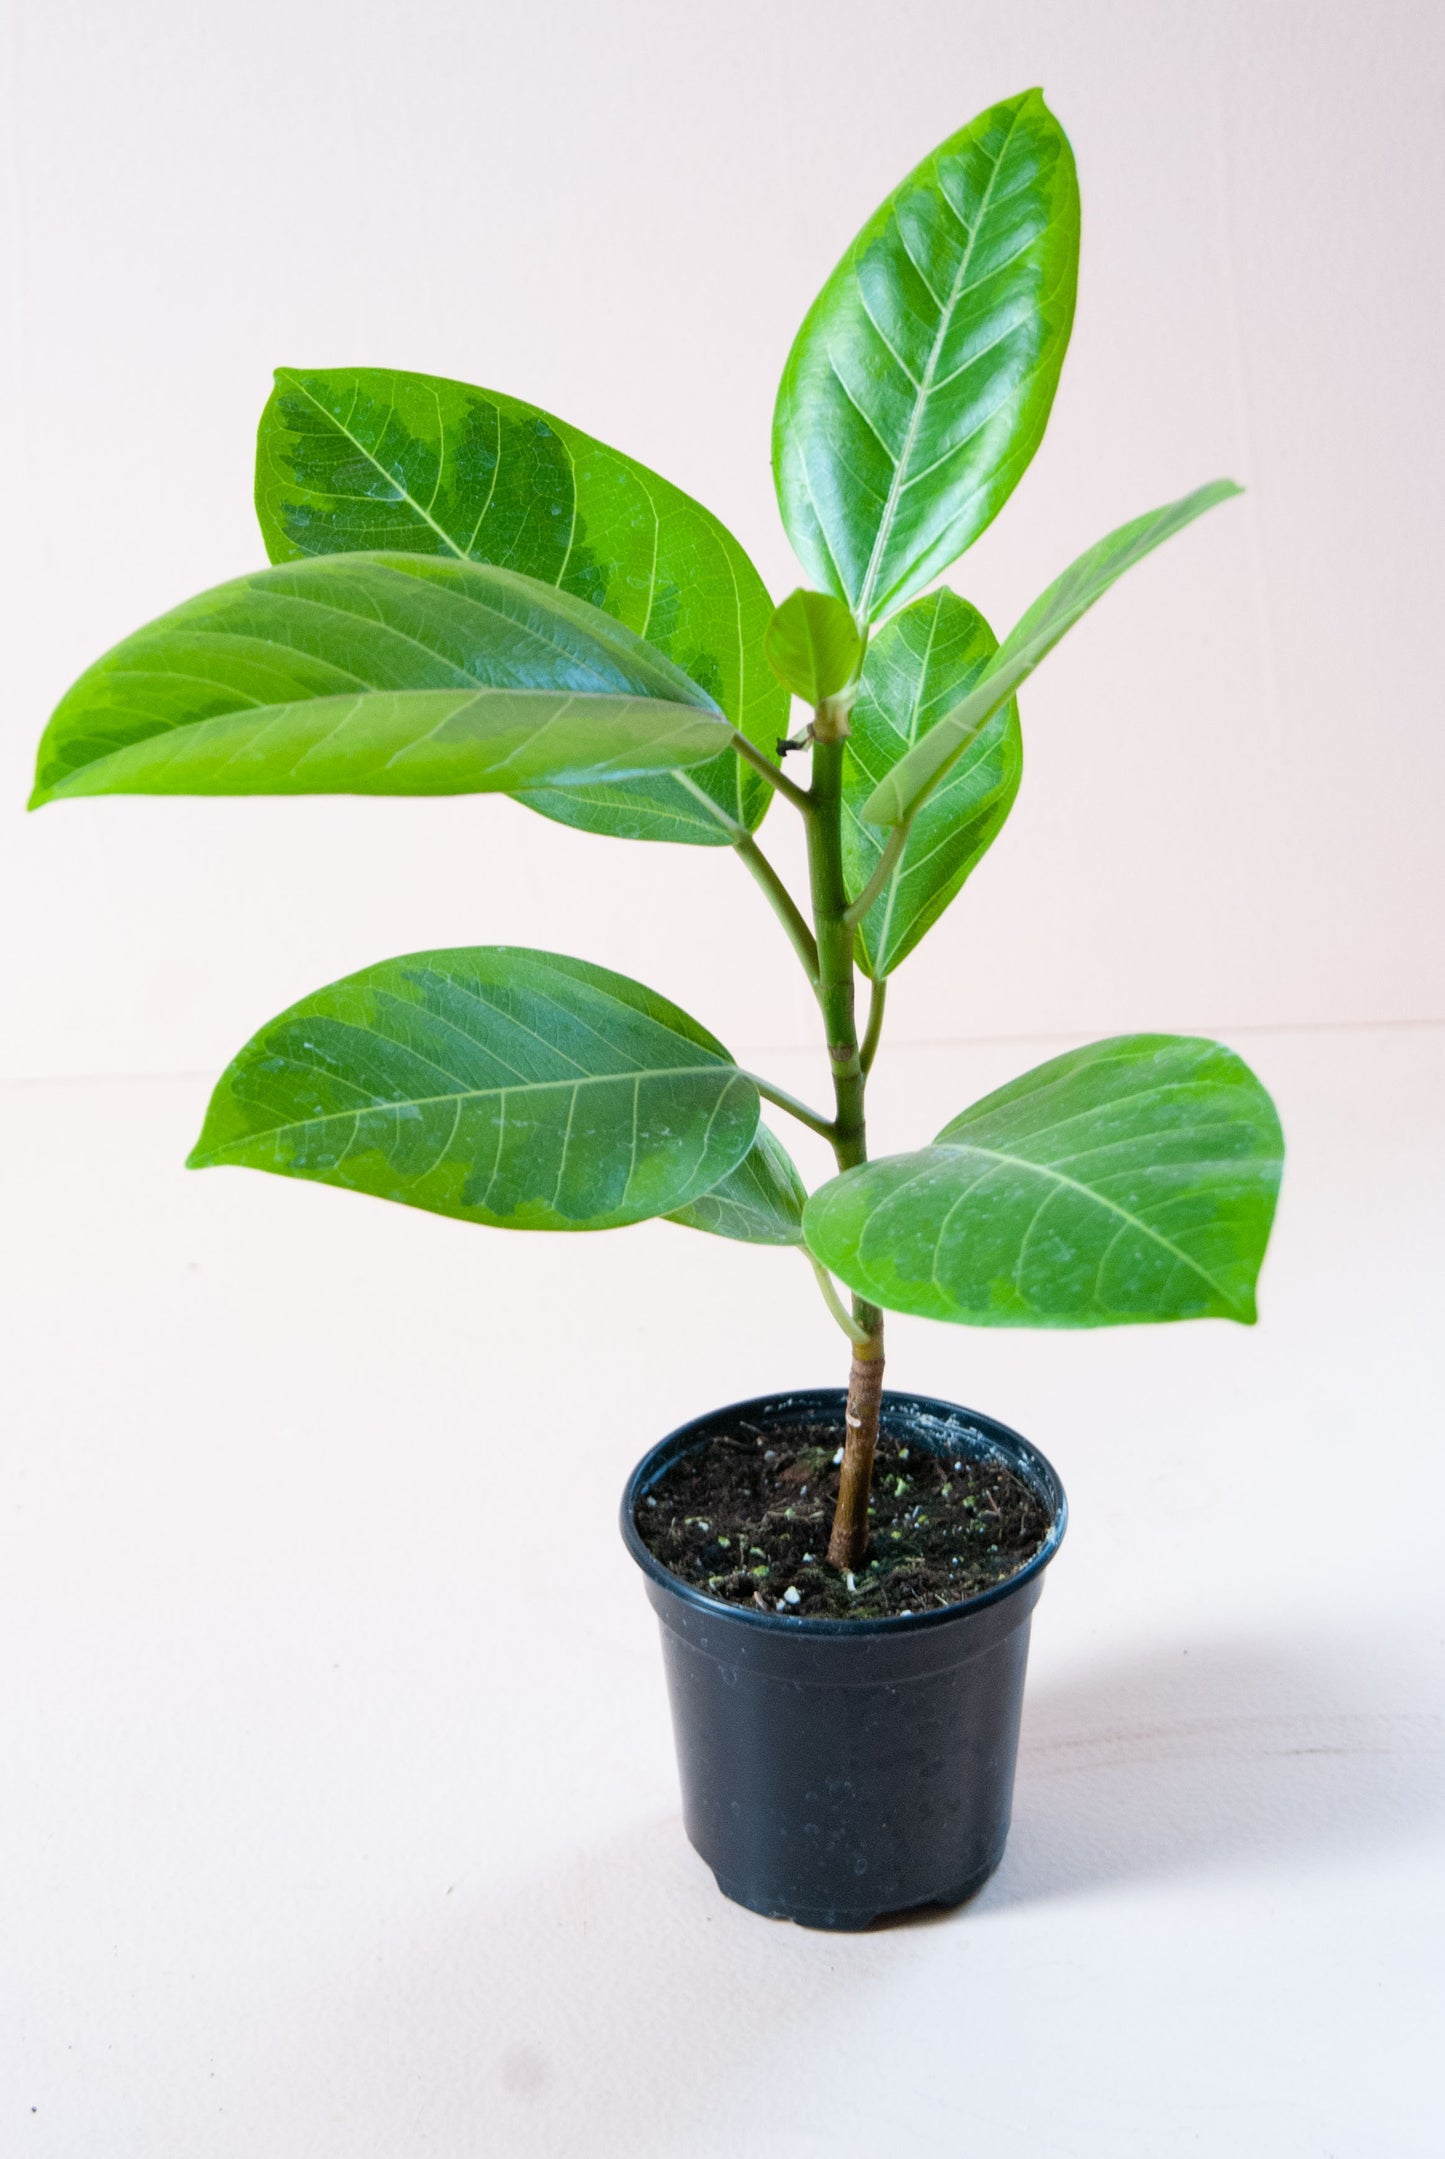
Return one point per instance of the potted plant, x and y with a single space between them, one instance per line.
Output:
469 595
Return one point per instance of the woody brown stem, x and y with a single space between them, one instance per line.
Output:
848 1541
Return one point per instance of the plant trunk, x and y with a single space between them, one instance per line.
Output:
848 1541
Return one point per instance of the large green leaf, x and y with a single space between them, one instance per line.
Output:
357 459
244 664
901 794
759 1202
410 742
1132 1180
494 1084
920 383
918 667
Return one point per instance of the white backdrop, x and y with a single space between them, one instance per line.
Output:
1231 810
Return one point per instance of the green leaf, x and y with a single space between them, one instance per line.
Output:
813 646
918 666
358 459
1133 1180
410 742
1033 637
759 1202
920 383
303 678
494 1084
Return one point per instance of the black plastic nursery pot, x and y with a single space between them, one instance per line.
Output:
837 1771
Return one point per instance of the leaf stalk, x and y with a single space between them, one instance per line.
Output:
781 900
856 1334
778 781
774 891
781 1099
883 869
874 1031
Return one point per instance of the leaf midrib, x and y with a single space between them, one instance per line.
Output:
180 740
462 1095
404 493
925 387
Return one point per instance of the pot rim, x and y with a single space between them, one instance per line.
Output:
1026 1457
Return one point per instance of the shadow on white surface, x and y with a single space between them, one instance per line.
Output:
1213 1757
552 2018
602 2009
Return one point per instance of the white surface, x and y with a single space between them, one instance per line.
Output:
1230 814
329 1835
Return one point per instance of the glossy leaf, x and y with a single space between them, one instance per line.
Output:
920 383
918 666
1133 1180
495 1084
1033 637
813 646
760 1202
243 663
410 742
357 459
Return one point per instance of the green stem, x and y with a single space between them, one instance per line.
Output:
783 1100
834 1302
774 891
876 1002
835 949
848 1540
781 900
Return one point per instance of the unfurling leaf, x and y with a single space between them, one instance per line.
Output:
813 645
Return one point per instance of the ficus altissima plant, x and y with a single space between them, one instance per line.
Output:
468 595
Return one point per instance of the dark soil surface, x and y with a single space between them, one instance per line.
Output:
746 1518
